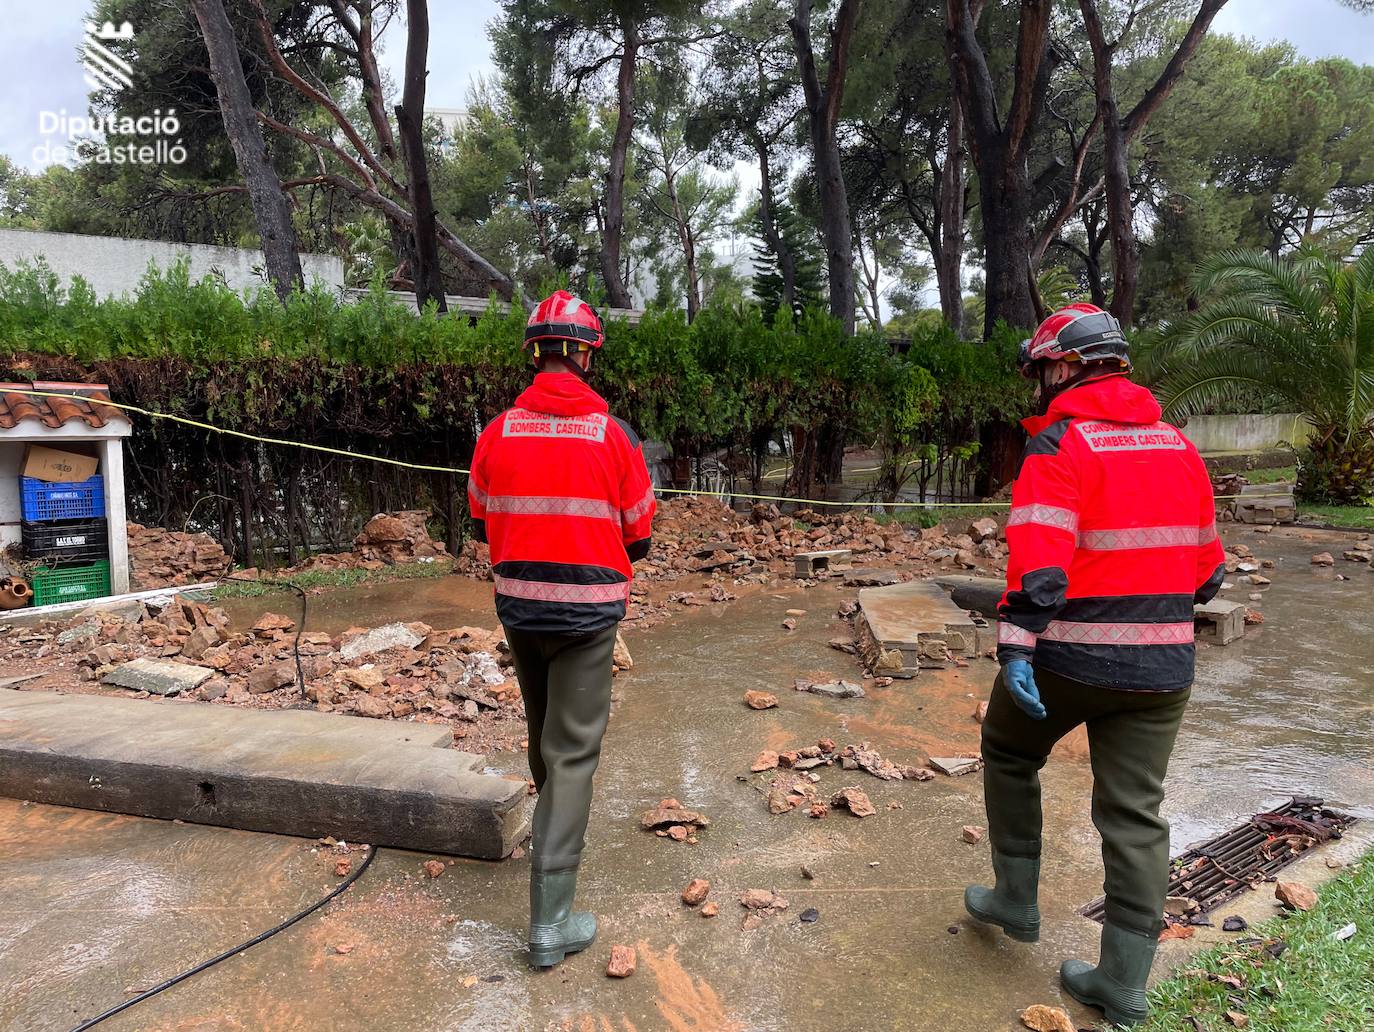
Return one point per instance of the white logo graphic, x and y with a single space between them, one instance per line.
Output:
116 137
104 68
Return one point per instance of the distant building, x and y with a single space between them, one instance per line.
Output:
451 119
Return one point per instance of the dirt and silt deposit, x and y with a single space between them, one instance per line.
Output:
381 652
430 649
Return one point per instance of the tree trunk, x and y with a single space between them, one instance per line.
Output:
1004 196
1117 134
870 283
949 259
685 238
1000 143
271 209
1116 173
823 111
787 262
1121 217
616 291
689 247
836 230
535 216
410 113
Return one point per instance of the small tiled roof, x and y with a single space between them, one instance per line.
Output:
55 412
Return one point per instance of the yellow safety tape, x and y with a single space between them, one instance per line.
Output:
344 453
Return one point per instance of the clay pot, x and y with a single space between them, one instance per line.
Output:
15 594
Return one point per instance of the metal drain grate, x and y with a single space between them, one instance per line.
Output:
1221 868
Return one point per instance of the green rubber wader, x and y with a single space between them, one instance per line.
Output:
566 684
1131 736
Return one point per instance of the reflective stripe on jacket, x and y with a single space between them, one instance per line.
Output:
560 492
1113 539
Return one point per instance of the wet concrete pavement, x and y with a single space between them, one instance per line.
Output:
90 904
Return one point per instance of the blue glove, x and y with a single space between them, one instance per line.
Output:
1019 677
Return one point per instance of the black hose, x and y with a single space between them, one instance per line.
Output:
149 993
367 861
300 627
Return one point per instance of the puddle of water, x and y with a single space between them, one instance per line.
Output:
442 602
1290 708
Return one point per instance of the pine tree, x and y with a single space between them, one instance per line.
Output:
801 239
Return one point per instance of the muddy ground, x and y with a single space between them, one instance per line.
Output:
93 906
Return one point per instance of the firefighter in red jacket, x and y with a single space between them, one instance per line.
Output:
1113 539
560 492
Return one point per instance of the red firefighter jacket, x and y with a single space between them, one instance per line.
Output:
1113 539
560 492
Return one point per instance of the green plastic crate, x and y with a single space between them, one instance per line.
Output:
70 583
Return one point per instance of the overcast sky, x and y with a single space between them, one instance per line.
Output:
41 73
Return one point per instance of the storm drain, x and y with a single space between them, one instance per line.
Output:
1221 868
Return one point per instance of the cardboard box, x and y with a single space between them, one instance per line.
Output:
58 467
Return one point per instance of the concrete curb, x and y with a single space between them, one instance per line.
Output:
286 772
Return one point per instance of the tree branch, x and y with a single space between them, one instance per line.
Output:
321 143
320 97
1139 115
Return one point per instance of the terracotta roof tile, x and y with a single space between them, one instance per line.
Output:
55 412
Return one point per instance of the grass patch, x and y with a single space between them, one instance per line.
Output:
1316 985
1359 517
952 516
333 579
1275 475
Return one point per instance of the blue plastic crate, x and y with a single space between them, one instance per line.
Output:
84 500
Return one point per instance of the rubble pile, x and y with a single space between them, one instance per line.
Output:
389 539
794 786
399 537
702 535
395 671
160 558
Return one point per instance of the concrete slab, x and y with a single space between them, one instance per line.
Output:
956 766
158 676
1265 504
905 627
293 773
979 594
871 578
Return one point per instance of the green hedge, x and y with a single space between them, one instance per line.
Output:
718 380
373 376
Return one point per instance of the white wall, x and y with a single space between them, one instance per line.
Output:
1246 432
114 265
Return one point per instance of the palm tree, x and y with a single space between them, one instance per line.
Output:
1298 329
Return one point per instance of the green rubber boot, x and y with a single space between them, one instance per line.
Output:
1012 904
555 928
1117 984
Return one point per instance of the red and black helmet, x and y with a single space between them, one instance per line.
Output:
563 324
1077 333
